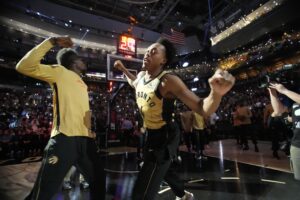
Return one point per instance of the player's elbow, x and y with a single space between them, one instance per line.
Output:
26 68
20 66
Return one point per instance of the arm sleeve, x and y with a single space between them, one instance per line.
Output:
30 64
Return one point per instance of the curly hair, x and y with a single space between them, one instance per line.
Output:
170 50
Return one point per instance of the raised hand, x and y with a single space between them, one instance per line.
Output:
221 82
278 87
272 91
64 41
119 65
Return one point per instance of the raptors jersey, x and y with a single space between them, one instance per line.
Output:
156 110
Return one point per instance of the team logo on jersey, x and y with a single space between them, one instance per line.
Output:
146 97
53 160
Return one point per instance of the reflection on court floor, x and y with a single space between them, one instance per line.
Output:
212 178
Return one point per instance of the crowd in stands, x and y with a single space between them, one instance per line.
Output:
261 51
26 116
26 121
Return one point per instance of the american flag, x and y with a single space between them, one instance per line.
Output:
174 36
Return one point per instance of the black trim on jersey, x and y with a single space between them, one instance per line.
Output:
157 92
168 104
167 109
146 82
57 107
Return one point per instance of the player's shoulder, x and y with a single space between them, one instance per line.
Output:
172 81
141 74
170 76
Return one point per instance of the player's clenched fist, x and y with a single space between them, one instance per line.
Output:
221 82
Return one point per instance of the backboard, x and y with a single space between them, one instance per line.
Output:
132 64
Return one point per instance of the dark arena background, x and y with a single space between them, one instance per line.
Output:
257 41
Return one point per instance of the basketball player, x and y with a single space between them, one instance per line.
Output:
156 91
71 141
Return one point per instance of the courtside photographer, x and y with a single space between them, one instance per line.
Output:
278 93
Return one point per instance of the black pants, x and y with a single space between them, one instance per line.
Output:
245 132
60 154
200 139
127 136
278 131
187 139
159 152
237 134
139 143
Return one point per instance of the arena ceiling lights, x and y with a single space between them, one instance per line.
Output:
43 33
246 20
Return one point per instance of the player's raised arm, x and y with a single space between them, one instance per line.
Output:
220 83
30 64
130 77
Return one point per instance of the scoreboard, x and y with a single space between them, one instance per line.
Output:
126 45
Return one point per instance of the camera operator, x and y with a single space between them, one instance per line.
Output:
279 109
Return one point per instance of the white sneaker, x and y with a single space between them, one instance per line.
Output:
84 185
67 185
187 196
141 164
